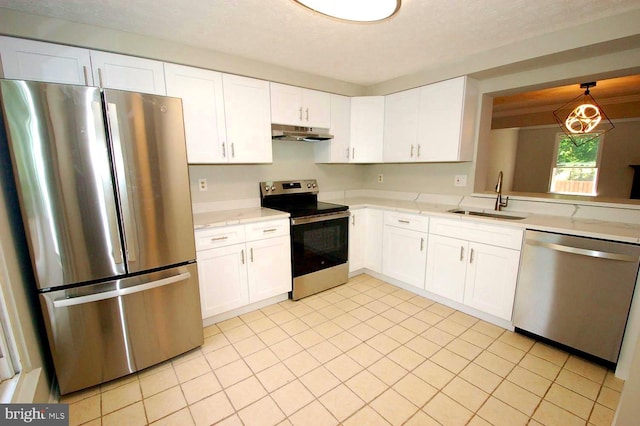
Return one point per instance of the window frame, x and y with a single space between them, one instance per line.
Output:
554 165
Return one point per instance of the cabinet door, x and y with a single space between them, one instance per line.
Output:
316 108
203 109
247 118
337 149
54 63
446 266
357 239
286 104
367 125
401 126
269 265
491 279
373 238
404 255
440 120
122 72
222 273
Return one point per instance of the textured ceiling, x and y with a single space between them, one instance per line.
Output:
425 34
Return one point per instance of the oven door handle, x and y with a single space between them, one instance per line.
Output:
319 218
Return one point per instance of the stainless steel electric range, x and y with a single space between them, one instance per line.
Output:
319 235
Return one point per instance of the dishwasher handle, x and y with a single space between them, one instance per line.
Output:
583 252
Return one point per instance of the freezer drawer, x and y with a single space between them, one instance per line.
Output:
576 291
103 331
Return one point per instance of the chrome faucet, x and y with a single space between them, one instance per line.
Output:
499 203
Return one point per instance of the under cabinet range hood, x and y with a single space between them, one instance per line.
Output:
299 134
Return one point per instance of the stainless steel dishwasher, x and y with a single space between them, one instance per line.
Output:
576 291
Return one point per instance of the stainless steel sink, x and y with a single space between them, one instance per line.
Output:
497 215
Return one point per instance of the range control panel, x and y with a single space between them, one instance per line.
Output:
282 187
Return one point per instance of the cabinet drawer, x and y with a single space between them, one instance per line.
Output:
267 229
407 221
219 237
477 232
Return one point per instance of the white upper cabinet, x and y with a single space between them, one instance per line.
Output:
446 122
203 109
247 110
300 107
367 123
38 61
122 72
401 127
337 150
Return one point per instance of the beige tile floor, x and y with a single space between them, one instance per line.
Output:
365 353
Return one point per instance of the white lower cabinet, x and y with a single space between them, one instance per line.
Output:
357 238
269 266
222 274
405 247
491 279
365 239
373 240
446 267
474 264
242 264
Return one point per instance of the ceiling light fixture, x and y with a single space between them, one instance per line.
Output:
354 10
583 116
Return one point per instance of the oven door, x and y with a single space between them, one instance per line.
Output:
319 242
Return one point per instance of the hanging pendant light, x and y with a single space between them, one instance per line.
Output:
354 10
583 116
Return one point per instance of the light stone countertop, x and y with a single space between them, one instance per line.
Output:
235 217
611 230
595 228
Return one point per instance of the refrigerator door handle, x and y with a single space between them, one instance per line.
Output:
121 292
115 240
129 237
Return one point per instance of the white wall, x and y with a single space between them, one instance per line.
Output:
503 146
433 178
291 160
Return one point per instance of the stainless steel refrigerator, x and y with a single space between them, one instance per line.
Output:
103 186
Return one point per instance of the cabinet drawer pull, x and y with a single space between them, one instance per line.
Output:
300 113
307 114
251 254
471 256
224 151
411 151
421 244
347 153
461 253
418 151
233 150
404 221
224 237
353 153
353 220
242 256
269 230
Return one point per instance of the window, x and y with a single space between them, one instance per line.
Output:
575 168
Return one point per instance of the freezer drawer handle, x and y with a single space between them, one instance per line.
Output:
583 252
60 303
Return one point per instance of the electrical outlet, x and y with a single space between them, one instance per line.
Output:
380 178
460 180
202 184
